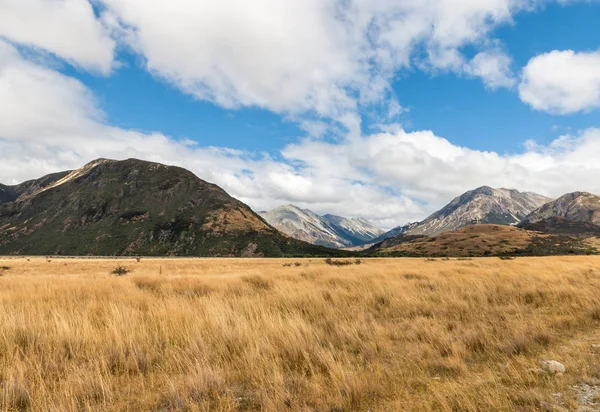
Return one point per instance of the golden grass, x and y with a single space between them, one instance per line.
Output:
223 334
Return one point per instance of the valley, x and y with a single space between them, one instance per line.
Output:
139 208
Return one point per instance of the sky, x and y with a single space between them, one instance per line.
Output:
381 109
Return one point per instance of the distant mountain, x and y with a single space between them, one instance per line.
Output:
480 206
12 193
356 230
397 231
133 207
577 207
328 230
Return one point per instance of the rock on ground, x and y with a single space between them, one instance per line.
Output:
552 367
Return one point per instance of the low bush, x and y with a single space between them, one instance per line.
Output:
332 262
120 271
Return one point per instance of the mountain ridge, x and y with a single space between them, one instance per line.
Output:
576 206
483 205
327 230
134 207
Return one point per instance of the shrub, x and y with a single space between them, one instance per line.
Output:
120 271
332 262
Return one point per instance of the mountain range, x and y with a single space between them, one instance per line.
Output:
134 207
480 206
328 230
483 205
568 225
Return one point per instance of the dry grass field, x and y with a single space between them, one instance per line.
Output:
221 334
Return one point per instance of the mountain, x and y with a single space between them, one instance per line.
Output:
480 206
561 226
395 232
134 207
328 230
11 193
577 206
484 240
356 230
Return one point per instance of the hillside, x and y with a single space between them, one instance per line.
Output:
484 240
133 207
480 206
395 232
328 230
561 226
577 206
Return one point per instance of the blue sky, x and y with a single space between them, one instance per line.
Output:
382 109
458 108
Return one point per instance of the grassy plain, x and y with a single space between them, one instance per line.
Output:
225 334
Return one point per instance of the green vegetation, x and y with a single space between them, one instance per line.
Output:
120 271
137 208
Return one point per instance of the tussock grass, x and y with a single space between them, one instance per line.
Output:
252 335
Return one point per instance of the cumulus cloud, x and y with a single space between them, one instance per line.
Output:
391 177
327 57
493 68
562 82
67 28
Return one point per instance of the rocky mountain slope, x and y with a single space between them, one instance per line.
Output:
577 207
328 230
480 206
133 207
395 232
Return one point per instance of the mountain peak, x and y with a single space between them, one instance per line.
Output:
328 230
134 207
483 190
483 205
576 206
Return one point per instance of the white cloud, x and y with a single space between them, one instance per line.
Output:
67 28
391 177
493 68
562 82
326 57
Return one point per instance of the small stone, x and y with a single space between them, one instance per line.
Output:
552 367
596 348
